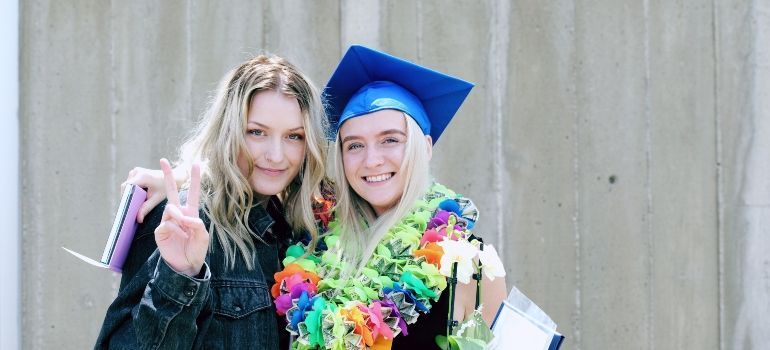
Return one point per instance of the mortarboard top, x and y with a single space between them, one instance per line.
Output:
367 80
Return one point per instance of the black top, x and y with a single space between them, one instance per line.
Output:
422 334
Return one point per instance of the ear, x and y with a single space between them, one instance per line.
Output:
429 145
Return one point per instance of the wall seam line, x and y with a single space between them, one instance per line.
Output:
648 182
114 110
719 177
576 326
419 31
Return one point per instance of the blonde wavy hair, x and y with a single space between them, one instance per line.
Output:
218 139
360 228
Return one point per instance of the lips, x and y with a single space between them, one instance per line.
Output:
378 178
271 171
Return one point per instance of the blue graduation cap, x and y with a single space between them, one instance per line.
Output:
367 81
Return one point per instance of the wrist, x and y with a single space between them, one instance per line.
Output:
189 271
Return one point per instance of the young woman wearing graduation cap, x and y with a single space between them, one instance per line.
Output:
399 266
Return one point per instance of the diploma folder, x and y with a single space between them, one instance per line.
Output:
122 233
522 325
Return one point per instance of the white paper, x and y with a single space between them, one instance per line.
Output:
514 330
87 259
520 302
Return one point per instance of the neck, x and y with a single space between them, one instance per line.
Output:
378 211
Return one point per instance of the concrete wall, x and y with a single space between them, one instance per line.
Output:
618 150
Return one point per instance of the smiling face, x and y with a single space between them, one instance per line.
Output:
275 142
373 147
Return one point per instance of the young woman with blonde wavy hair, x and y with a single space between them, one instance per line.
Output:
200 265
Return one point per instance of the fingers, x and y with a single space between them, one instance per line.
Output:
146 178
130 179
175 222
172 212
168 179
175 214
193 195
153 199
174 219
168 229
135 175
143 211
195 230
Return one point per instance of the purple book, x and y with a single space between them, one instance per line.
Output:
123 229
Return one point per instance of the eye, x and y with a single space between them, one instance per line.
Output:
391 140
296 137
256 132
354 146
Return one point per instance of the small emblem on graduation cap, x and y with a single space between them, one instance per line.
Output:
367 81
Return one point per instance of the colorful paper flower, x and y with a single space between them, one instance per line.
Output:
284 302
388 303
313 322
408 297
297 313
432 253
439 219
430 274
416 285
288 271
451 206
359 320
322 210
431 236
376 320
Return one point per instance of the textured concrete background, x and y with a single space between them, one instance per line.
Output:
619 151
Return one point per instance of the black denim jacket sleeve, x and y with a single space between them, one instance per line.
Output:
156 307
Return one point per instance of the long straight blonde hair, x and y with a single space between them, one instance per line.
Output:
218 139
361 229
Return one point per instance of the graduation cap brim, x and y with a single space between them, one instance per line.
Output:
441 95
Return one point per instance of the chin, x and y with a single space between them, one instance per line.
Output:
380 200
270 188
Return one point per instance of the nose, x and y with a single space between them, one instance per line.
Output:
374 157
274 152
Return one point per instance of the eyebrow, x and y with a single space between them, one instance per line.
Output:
263 126
383 133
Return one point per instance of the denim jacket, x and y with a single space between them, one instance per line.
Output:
158 308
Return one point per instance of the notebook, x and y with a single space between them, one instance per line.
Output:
122 233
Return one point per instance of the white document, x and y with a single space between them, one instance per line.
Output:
515 330
520 302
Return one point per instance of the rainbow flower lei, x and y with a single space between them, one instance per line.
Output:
408 270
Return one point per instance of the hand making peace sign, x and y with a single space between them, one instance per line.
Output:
181 236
